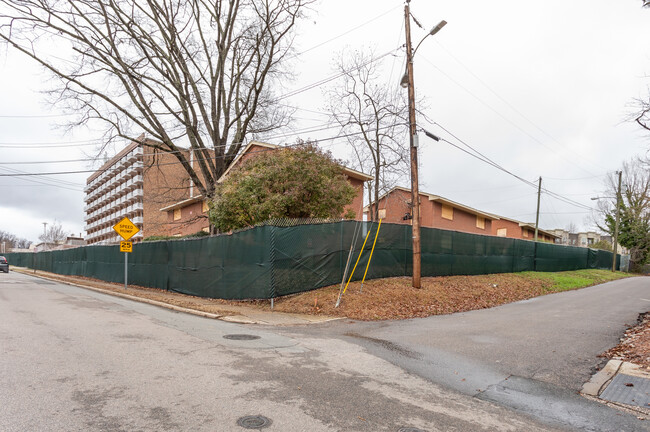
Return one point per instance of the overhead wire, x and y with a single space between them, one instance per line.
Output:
512 123
480 156
108 169
513 108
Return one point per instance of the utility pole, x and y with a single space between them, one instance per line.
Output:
539 196
618 215
415 192
44 235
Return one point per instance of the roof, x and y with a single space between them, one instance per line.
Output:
348 171
531 226
113 160
184 203
442 200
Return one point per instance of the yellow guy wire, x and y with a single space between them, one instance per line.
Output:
371 251
358 258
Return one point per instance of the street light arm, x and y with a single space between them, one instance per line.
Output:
433 31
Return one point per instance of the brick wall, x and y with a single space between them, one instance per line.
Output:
193 219
397 204
165 182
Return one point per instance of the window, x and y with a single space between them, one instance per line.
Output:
525 233
382 213
502 232
447 212
480 222
205 206
177 214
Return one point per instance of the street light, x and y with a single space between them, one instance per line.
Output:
407 82
618 213
405 78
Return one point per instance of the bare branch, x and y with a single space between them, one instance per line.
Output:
196 73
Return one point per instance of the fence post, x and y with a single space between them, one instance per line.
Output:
272 262
535 258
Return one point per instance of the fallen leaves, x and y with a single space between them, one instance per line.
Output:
634 346
395 298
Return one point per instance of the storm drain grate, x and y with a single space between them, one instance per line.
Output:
254 422
410 429
241 337
628 389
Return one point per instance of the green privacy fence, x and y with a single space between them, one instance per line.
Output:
272 261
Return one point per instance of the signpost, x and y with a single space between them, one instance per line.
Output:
126 229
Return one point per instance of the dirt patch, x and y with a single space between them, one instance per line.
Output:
635 344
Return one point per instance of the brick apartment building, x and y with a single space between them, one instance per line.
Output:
190 215
505 227
153 190
135 183
435 212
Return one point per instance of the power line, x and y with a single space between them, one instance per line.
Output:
348 31
50 144
27 174
512 123
506 102
480 156
333 77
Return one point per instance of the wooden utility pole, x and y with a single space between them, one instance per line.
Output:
618 215
539 196
415 192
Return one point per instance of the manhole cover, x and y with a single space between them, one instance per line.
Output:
254 422
410 429
241 337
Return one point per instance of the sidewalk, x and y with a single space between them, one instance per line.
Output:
208 308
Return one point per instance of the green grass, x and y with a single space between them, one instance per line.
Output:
568 280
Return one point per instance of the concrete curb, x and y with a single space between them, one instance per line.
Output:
598 382
278 318
127 296
595 387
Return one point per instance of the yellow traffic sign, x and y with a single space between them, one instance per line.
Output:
126 246
126 229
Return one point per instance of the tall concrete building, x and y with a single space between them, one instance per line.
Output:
135 183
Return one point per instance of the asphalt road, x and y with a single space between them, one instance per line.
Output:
77 360
532 356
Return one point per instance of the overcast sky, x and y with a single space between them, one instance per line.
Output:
542 88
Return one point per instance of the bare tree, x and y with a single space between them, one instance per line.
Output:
572 228
642 114
374 119
11 241
54 234
634 216
196 72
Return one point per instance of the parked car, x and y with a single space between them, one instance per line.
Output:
4 265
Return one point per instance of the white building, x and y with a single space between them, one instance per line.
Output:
113 192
